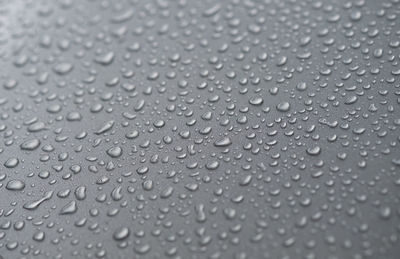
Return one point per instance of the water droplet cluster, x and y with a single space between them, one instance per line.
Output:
200 129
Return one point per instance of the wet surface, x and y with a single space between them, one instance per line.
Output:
200 129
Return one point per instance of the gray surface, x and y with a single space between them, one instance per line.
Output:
200 129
